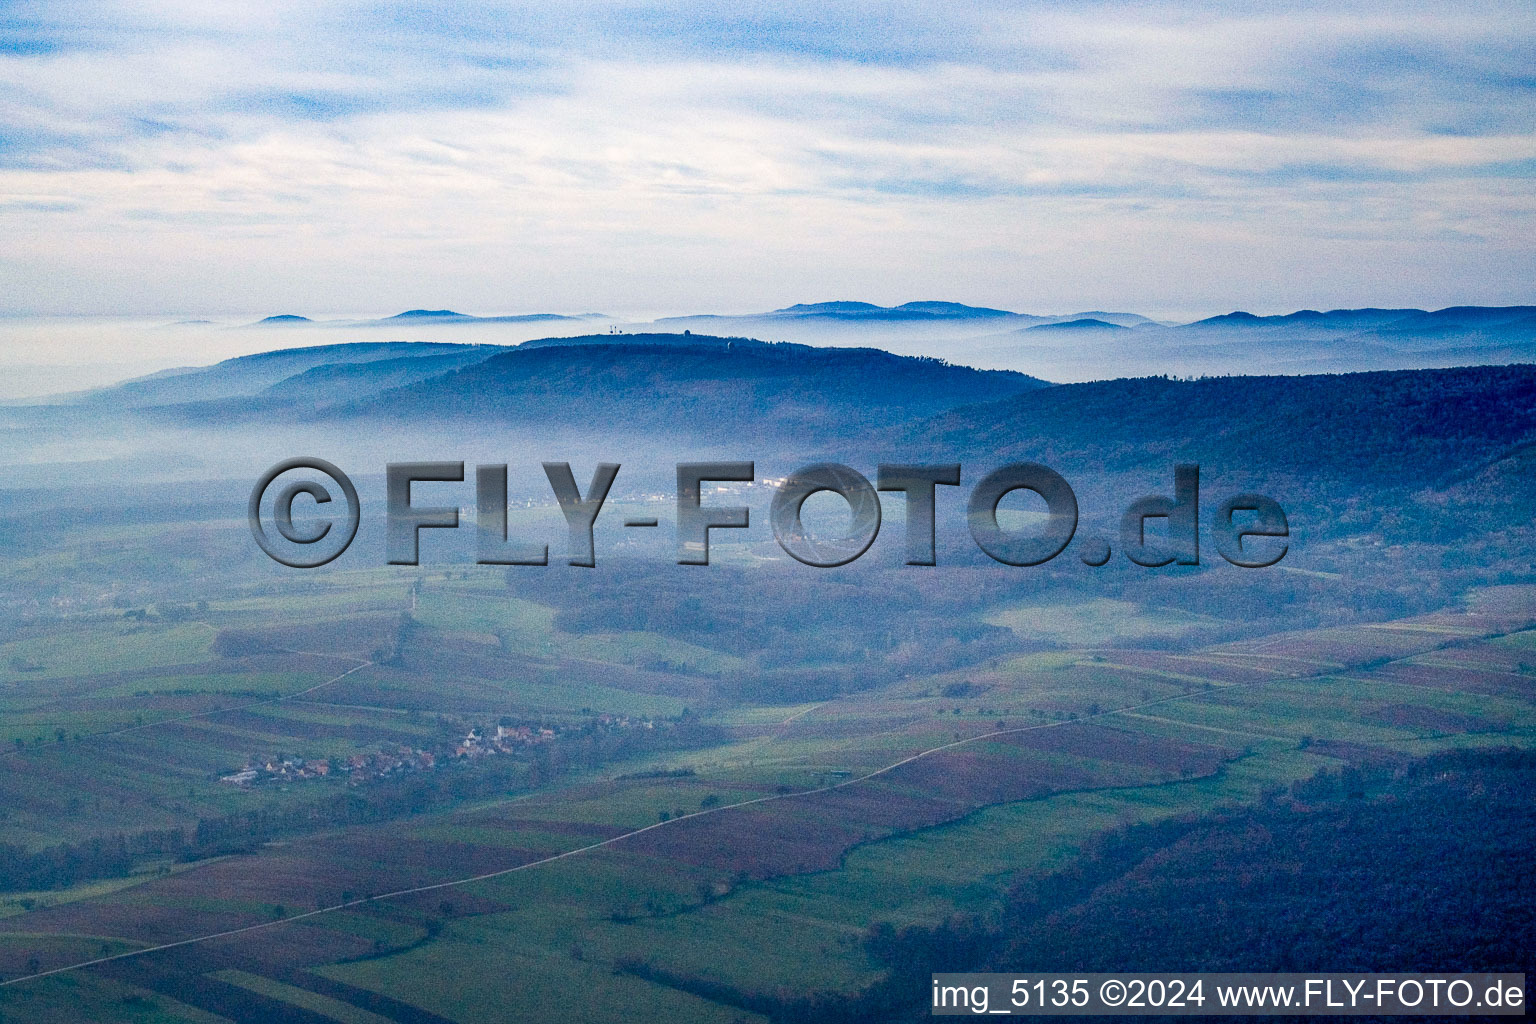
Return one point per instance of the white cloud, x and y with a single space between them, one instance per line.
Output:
290 158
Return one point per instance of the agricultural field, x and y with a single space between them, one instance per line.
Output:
512 810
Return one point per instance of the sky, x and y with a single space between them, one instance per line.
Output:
1174 159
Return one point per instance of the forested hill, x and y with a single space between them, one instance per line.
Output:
1369 870
1336 877
1427 427
701 384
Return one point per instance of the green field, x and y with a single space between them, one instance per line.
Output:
738 842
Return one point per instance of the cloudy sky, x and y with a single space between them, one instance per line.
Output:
323 156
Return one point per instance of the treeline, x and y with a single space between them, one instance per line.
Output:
66 864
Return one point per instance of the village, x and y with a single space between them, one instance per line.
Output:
477 742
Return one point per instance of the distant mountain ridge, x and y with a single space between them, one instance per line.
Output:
1085 324
1363 318
1344 318
907 310
1387 320
421 316
1302 342
1076 347
692 385
449 316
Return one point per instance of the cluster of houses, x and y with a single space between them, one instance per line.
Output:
503 739
285 769
477 742
361 767
358 767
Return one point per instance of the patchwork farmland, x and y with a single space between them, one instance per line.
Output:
747 846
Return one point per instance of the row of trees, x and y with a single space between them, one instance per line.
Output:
66 864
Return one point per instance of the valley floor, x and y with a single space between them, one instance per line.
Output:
658 834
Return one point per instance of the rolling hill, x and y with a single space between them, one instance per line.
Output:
246 376
1385 427
1084 324
684 384
696 384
